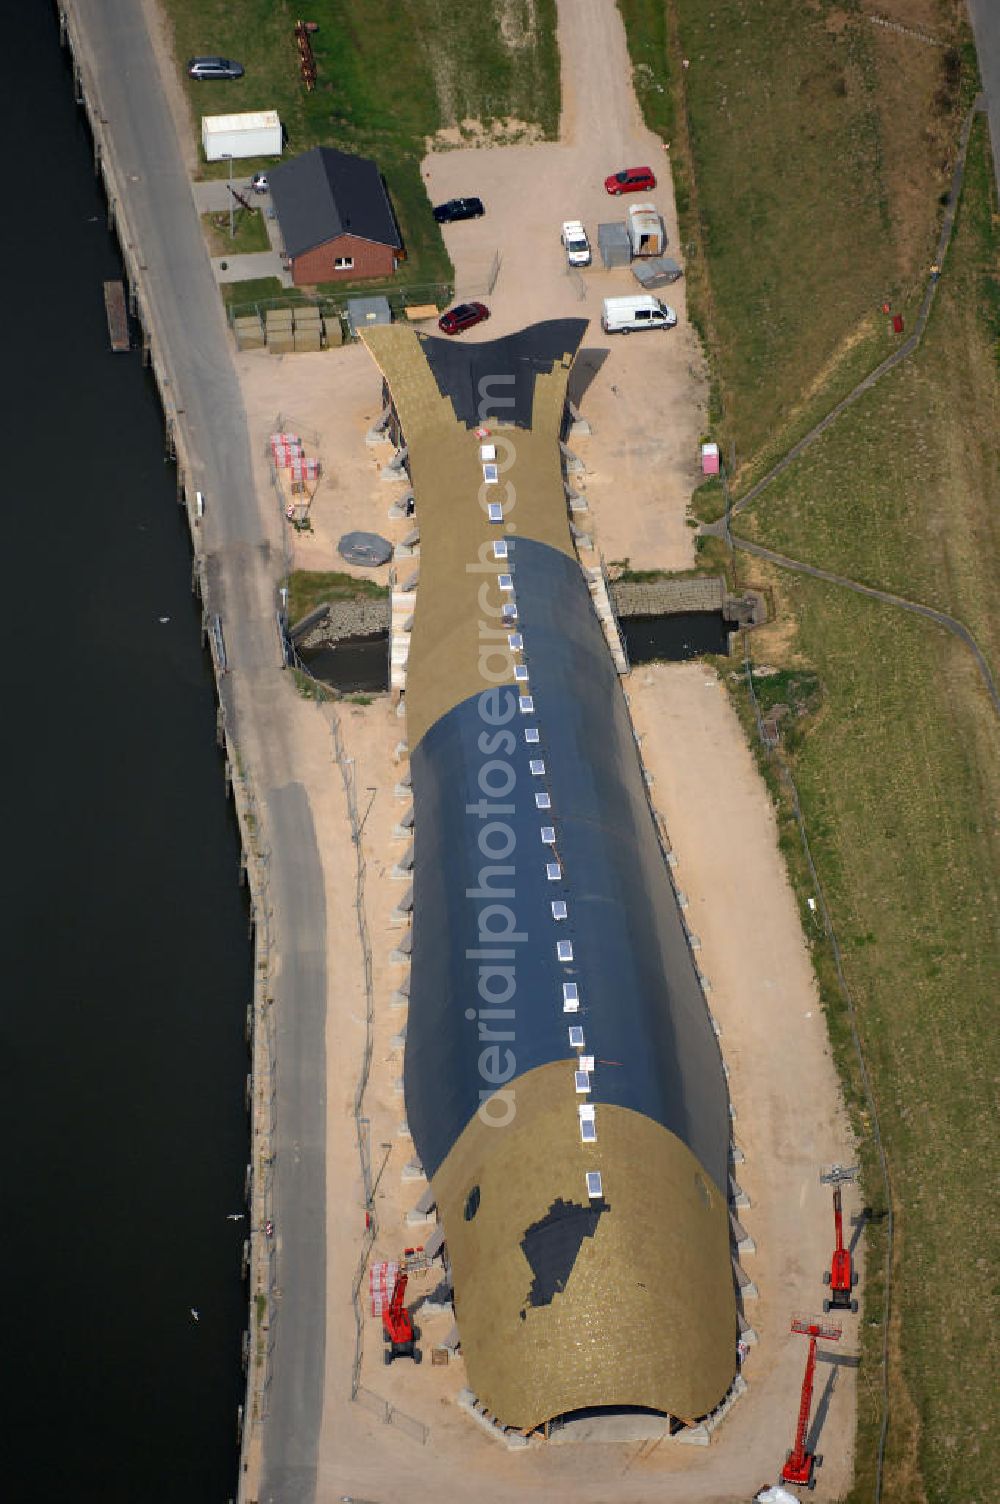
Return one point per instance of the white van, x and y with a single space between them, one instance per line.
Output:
621 315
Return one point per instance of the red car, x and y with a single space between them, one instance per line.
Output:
631 180
463 316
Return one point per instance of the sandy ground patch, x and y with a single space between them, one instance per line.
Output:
330 399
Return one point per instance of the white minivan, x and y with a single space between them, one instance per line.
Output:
622 315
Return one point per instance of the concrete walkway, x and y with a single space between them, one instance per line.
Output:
214 198
256 264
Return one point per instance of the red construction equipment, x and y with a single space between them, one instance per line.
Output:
841 1275
398 1331
800 1465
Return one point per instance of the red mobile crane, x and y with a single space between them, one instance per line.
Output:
841 1275
398 1330
800 1465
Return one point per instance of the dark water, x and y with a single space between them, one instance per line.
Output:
361 663
357 665
124 933
674 638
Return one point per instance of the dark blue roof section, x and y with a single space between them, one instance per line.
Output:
495 379
327 193
641 1006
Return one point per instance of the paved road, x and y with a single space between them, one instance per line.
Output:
300 1212
243 564
985 17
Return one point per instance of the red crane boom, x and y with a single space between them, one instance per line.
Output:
800 1464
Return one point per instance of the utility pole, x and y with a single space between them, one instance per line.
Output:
229 159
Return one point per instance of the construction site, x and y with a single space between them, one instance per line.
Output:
618 1266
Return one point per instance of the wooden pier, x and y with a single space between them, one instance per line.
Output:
114 307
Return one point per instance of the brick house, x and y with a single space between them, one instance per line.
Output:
335 217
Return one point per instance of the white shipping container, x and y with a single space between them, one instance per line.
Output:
254 134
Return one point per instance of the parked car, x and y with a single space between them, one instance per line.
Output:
259 183
622 315
459 208
214 67
574 239
631 180
462 316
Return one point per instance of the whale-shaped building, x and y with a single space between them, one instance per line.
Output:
563 1082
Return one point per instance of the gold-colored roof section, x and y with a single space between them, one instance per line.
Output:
647 1314
458 645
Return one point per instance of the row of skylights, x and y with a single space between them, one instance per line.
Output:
583 1071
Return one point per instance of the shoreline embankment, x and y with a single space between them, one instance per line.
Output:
258 1255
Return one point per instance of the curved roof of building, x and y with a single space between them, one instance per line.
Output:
542 904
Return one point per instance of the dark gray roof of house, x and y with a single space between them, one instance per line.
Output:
326 193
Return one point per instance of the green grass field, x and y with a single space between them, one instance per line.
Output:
901 491
808 155
250 233
389 77
899 777
312 587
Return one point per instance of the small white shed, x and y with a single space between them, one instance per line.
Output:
254 134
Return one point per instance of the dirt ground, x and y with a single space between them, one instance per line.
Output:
645 404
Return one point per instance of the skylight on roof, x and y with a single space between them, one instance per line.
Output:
542 801
575 1037
521 672
564 950
536 767
548 835
515 641
491 475
559 909
571 997
500 548
553 872
582 1081
531 735
506 582
525 704
494 511
595 1186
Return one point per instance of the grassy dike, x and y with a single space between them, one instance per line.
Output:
895 757
809 149
389 77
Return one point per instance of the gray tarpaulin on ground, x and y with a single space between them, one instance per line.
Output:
364 548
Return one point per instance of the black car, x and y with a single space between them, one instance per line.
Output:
459 208
214 67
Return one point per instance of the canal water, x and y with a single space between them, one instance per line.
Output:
127 968
362 664
673 639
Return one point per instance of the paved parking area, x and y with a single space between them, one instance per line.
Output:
647 400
